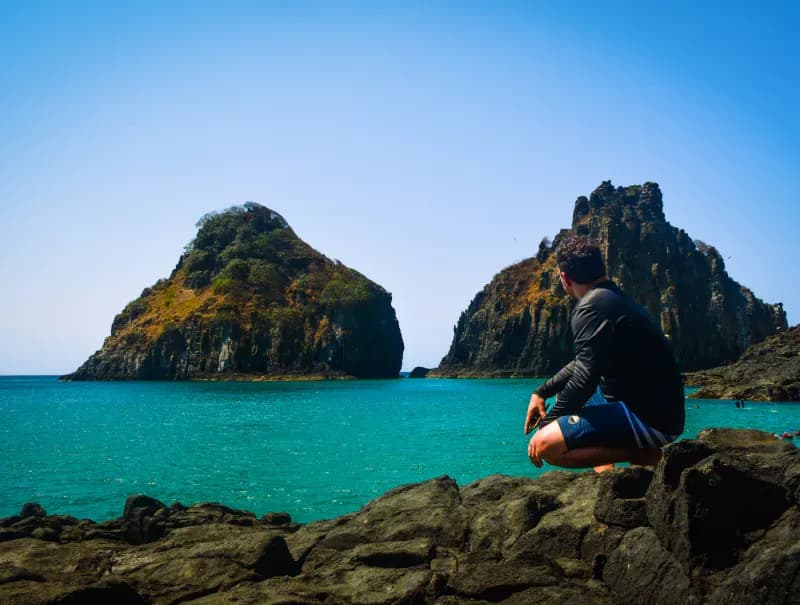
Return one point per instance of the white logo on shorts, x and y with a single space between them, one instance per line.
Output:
573 419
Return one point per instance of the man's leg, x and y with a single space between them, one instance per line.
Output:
548 444
603 468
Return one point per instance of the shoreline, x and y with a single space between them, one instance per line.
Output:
698 381
316 377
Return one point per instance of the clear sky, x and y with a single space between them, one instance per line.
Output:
427 145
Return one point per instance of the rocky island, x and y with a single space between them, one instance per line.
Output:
249 299
716 522
518 325
767 371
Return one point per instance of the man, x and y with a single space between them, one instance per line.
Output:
639 406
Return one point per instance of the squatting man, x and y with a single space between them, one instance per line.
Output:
621 399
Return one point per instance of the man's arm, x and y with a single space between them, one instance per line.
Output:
557 382
536 407
593 338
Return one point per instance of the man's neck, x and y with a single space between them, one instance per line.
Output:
582 289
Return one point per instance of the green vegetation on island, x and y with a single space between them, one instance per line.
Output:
248 298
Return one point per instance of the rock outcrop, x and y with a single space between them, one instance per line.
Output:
716 522
249 299
768 371
519 323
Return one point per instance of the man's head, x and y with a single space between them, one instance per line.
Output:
580 263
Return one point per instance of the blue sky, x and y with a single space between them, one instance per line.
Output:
427 145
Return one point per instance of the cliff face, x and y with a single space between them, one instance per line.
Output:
519 323
248 297
767 371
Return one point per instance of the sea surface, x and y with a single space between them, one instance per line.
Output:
313 449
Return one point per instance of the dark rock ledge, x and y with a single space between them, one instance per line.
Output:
768 371
717 522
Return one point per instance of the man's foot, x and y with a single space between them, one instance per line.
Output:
603 468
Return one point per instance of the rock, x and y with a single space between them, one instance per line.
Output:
560 533
419 372
34 522
145 519
429 509
404 553
8 535
307 537
718 522
47 572
45 533
598 543
769 570
518 324
102 593
501 509
559 595
642 572
193 561
620 499
276 519
210 512
19 574
248 299
767 371
712 498
32 509
480 579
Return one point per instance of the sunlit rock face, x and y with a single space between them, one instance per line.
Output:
248 299
519 323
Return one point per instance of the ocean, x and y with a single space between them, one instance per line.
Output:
313 449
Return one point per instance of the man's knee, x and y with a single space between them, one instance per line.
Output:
550 443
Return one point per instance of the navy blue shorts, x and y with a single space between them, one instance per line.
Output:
611 424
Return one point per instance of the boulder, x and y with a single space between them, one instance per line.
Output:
145 519
642 572
620 497
713 497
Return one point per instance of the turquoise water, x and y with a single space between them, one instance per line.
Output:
313 449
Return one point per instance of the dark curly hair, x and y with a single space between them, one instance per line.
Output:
580 258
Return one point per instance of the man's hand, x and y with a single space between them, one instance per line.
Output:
533 454
536 411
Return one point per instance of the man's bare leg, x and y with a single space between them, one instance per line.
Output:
603 456
548 444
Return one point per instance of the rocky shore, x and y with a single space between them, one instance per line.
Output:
716 522
768 371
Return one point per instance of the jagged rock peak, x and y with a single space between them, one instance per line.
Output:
607 200
518 324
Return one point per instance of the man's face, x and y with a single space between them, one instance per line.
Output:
567 283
